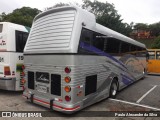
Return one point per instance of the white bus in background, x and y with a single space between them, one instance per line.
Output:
72 62
13 38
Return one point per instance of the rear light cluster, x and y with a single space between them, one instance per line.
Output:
67 88
23 81
23 67
23 74
7 70
67 79
13 73
67 98
67 70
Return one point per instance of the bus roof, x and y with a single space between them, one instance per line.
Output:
117 35
72 44
99 28
16 25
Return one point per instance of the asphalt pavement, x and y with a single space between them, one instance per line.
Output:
143 95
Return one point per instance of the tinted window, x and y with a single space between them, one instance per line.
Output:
86 36
1 27
90 39
158 55
85 41
151 55
21 38
139 49
133 48
98 41
112 45
125 47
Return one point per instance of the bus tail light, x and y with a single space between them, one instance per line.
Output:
23 74
23 67
23 88
67 88
67 79
13 73
67 98
7 70
67 70
23 81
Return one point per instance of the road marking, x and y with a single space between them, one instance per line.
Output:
154 85
136 104
140 99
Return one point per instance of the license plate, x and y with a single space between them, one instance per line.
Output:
42 77
42 89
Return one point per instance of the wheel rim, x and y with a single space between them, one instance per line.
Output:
114 89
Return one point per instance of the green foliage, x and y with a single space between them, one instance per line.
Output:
107 15
2 16
155 29
23 16
156 44
61 4
148 42
57 5
141 26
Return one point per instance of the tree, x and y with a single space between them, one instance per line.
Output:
107 15
23 16
155 29
156 44
2 16
57 5
141 26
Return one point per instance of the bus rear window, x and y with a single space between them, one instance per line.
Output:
21 38
1 27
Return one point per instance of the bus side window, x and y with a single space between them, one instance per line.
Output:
125 47
86 36
98 41
133 49
151 55
113 46
158 55
85 41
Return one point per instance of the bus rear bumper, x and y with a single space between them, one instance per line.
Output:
7 83
52 104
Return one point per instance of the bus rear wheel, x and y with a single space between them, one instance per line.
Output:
113 89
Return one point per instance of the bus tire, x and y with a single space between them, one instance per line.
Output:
113 88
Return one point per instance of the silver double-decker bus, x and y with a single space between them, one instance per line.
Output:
72 62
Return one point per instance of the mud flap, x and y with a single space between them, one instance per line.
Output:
51 104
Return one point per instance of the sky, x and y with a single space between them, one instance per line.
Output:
137 11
